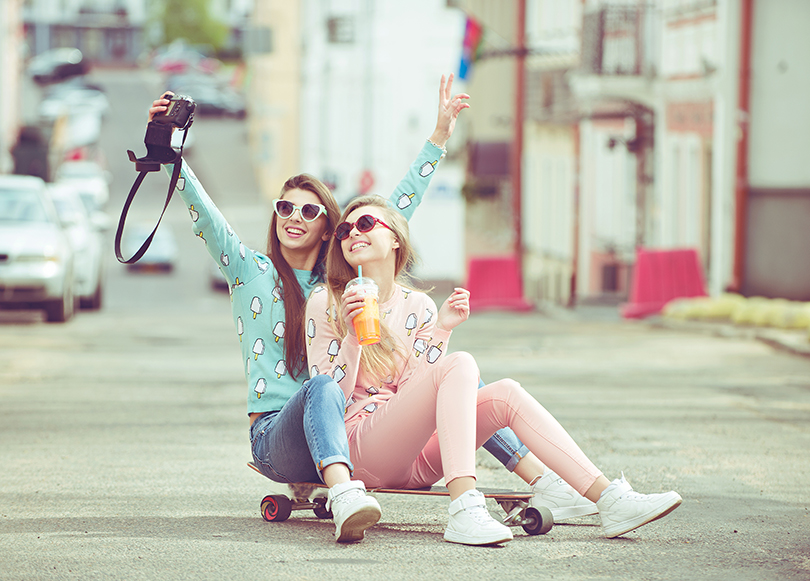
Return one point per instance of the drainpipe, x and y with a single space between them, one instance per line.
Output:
743 114
517 144
572 295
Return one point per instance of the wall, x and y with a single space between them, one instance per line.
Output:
10 74
549 159
273 93
779 152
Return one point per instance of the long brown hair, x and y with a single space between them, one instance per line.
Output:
291 292
381 358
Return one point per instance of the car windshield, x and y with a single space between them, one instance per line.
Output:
68 210
17 206
89 201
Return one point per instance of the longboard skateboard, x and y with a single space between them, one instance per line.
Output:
533 520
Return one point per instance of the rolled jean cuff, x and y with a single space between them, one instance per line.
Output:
516 458
507 448
334 460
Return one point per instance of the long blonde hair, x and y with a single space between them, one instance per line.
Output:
381 359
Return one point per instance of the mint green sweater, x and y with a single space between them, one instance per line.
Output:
258 310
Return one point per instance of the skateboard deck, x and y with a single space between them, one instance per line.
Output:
533 520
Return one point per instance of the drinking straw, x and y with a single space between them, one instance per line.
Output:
360 273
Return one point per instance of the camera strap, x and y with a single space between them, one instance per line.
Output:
157 155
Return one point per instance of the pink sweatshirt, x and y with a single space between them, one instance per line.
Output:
409 315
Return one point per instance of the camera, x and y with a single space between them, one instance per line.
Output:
179 113
159 151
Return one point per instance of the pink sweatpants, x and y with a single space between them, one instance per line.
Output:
434 423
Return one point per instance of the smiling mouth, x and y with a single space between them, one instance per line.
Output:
358 246
292 231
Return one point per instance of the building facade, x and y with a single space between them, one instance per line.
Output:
659 124
349 92
11 66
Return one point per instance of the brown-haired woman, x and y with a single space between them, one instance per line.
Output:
296 424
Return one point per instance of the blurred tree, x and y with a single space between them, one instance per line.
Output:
191 20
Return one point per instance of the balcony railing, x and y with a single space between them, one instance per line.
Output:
619 40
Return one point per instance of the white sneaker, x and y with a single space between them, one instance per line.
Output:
471 524
353 511
622 509
563 501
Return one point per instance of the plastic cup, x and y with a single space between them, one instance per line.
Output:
367 323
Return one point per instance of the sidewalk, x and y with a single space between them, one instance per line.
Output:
794 341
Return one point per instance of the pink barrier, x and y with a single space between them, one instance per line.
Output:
660 276
494 283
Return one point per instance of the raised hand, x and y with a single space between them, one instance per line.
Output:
160 105
455 310
449 108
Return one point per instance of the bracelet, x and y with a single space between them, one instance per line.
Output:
437 146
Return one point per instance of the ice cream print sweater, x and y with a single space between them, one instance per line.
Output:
410 317
256 298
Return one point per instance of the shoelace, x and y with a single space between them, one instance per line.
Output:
479 514
348 496
633 495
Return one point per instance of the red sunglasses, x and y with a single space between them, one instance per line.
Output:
365 223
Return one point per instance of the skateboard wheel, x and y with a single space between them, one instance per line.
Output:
276 508
539 520
320 509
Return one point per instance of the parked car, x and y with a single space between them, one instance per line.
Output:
57 64
36 258
216 278
212 95
81 105
162 253
177 140
86 234
179 57
71 95
92 181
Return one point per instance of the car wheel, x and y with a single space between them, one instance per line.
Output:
93 302
60 310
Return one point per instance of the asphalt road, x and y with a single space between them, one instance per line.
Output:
123 434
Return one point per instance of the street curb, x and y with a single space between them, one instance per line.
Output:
793 341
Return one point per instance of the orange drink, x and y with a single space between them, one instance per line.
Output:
367 323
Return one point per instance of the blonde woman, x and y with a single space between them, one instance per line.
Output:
415 413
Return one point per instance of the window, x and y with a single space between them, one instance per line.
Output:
340 30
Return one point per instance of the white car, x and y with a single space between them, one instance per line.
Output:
216 278
161 254
177 140
82 108
36 258
92 181
86 233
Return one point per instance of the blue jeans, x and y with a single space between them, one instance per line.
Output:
306 435
505 445
309 433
